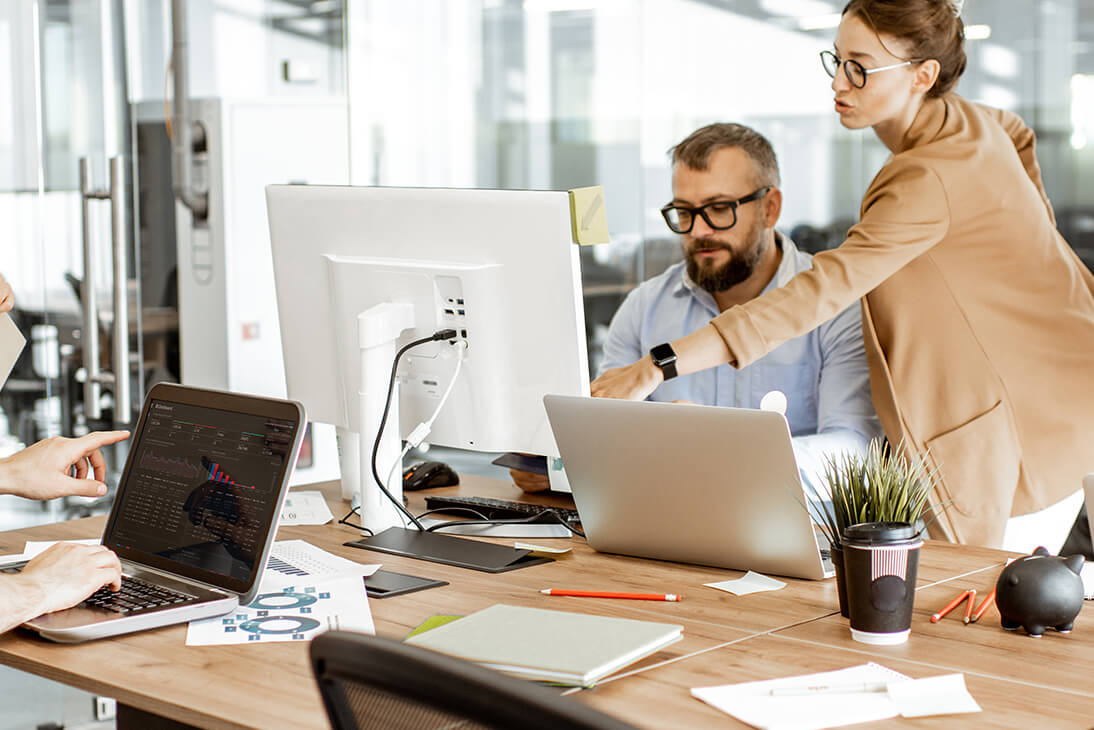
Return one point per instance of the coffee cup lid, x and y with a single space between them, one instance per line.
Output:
879 533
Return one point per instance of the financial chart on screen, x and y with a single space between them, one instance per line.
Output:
201 486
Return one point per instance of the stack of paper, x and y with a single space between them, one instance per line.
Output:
551 646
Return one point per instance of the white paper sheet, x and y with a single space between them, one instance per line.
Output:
300 558
290 608
305 508
516 531
829 700
944 695
751 582
542 548
1087 574
37 547
752 703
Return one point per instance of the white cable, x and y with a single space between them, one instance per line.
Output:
422 429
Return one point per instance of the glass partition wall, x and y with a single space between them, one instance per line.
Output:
565 93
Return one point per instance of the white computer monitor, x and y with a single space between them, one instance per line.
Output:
498 266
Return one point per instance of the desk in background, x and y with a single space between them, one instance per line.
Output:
1019 681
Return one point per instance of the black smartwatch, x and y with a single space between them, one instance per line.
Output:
664 357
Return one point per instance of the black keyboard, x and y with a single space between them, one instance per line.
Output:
135 595
496 509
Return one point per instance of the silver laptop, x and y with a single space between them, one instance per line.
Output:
195 514
687 483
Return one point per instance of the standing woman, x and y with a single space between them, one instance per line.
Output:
978 318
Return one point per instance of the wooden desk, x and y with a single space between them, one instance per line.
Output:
726 638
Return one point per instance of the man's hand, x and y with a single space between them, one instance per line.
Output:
67 573
530 481
7 296
44 470
630 382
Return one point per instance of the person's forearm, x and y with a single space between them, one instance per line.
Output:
704 348
7 480
20 600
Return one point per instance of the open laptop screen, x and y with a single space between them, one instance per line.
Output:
201 491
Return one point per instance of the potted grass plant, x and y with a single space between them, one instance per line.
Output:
885 485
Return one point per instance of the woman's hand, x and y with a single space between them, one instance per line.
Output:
630 382
45 470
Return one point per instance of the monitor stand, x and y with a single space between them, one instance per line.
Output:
448 549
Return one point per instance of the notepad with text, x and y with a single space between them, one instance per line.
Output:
551 646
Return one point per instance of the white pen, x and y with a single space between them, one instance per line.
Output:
818 689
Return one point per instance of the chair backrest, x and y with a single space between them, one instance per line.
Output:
371 682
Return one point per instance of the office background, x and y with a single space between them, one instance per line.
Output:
527 94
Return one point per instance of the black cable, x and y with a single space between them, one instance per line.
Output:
345 521
438 335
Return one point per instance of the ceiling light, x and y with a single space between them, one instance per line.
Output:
977 32
820 22
559 6
797 8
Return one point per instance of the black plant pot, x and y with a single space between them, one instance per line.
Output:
841 580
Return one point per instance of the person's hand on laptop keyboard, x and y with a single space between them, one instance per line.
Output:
45 469
60 577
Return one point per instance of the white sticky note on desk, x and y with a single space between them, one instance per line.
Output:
12 343
752 582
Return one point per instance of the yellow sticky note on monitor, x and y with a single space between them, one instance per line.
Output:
588 216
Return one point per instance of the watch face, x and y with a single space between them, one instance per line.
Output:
663 353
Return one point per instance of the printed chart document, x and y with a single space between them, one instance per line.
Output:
305 508
551 646
305 591
290 608
300 558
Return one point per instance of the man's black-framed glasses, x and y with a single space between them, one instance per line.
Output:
855 72
721 215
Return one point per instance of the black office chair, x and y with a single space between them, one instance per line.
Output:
369 682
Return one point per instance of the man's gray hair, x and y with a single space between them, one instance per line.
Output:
695 151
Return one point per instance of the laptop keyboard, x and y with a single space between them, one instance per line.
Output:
135 595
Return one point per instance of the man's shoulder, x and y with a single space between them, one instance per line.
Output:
668 281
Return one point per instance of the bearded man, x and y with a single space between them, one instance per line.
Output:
726 202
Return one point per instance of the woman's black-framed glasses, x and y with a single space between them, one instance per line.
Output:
855 72
720 215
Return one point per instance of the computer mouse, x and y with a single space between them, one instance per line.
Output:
429 474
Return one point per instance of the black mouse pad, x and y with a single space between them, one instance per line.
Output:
449 549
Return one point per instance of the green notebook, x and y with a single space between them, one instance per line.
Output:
550 646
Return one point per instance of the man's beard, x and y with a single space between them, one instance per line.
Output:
739 267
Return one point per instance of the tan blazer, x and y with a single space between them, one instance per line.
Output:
978 317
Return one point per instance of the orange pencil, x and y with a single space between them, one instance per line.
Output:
612 594
935 618
990 599
968 608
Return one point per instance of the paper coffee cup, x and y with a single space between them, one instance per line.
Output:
880 562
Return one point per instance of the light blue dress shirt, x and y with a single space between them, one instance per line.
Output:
823 373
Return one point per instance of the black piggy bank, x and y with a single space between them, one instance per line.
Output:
1040 591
